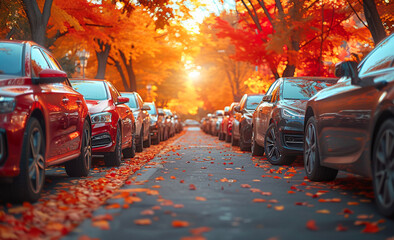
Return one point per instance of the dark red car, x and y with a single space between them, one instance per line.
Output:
112 120
43 121
227 124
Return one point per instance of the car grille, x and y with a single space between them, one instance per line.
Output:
3 146
101 140
294 141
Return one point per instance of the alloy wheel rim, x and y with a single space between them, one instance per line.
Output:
252 145
87 150
272 148
36 161
119 146
310 148
384 168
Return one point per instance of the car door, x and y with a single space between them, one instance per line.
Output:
73 101
54 99
345 118
260 117
125 116
238 116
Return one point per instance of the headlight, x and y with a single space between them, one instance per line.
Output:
101 117
288 114
7 104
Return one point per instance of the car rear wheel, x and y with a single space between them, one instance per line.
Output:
140 143
383 168
28 185
234 142
148 142
113 159
314 171
273 150
257 150
130 151
80 166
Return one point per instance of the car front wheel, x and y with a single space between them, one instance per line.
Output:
114 158
257 150
314 171
383 168
273 149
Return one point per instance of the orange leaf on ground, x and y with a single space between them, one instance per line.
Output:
279 208
102 224
197 237
156 186
200 230
192 187
290 192
147 212
370 228
353 203
107 217
245 185
311 225
179 223
143 221
113 206
201 199
341 228
173 177
259 200
178 206
324 211
159 178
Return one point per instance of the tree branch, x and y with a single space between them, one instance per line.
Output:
359 18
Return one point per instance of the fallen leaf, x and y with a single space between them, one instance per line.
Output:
311 225
201 199
200 230
143 221
147 212
370 228
341 228
279 208
259 200
113 206
179 223
245 185
323 211
102 224
192 187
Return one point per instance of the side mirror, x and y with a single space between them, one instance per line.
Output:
122 100
51 76
145 108
237 109
347 69
267 98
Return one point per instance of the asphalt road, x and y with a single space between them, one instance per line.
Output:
233 196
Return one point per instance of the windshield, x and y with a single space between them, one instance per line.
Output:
91 90
11 59
253 101
132 102
152 110
299 89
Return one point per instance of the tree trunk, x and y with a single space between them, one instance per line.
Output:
122 75
102 58
128 63
375 25
38 21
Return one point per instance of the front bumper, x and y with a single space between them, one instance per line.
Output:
103 138
291 135
154 131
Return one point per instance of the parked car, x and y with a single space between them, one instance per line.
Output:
206 125
191 122
216 120
242 123
350 126
278 122
170 122
43 121
227 124
156 122
112 120
221 133
178 123
166 125
142 120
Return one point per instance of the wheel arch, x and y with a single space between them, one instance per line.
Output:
383 117
309 113
39 115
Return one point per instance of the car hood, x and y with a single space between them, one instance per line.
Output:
95 106
298 106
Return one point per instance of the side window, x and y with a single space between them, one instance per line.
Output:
275 93
380 58
38 62
140 102
271 88
52 61
114 92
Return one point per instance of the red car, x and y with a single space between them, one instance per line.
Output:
112 120
43 121
227 124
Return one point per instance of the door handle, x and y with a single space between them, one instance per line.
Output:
65 100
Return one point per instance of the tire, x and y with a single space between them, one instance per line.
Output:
148 142
156 141
227 138
27 186
114 158
130 152
382 170
234 142
273 150
314 171
80 166
256 149
139 147
242 144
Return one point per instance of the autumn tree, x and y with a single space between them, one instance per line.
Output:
38 19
